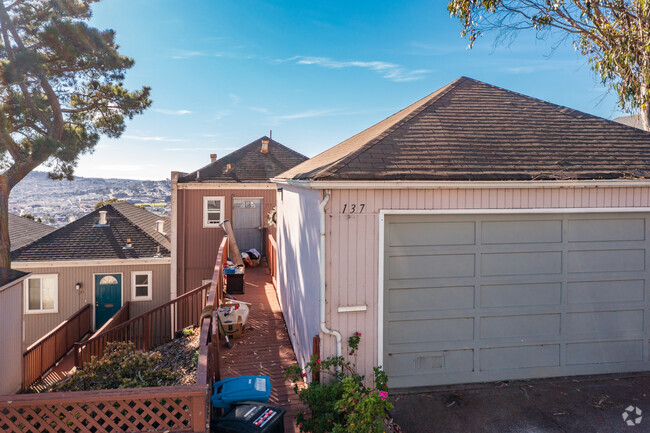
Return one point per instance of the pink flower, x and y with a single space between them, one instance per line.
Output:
383 395
359 334
318 361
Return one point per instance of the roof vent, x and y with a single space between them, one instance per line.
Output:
265 146
160 227
213 157
128 245
228 167
102 219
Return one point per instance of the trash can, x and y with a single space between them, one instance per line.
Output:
235 283
251 417
242 388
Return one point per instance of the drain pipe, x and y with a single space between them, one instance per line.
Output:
323 326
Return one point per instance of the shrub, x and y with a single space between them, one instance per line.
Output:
121 367
345 404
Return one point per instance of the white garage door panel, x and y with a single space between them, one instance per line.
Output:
473 298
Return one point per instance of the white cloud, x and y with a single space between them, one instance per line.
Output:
234 98
221 114
172 112
307 114
260 110
390 71
152 138
184 54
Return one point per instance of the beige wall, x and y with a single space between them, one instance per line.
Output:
197 246
11 354
352 241
70 301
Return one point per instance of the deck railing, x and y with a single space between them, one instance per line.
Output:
165 409
173 409
118 318
151 329
271 249
49 349
208 369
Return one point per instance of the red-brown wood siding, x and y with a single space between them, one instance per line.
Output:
197 246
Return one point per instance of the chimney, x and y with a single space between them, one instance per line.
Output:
228 167
128 245
102 218
265 145
213 157
159 227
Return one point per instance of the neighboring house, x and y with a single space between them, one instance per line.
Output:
115 254
24 231
634 121
11 312
477 235
235 187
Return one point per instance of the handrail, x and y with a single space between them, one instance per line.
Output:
151 329
117 319
208 368
50 348
271 250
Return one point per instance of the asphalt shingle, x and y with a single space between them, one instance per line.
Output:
470 130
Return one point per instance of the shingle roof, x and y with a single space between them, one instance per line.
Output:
248 164
146 221
23 231
470 130
7 276
81 240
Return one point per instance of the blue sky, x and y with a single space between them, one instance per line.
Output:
224 73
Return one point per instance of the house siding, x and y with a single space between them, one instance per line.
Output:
70 301
196 248
298 263
352 241
11 361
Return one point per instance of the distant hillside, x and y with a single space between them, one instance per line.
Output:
58 202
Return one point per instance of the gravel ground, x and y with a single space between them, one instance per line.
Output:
179 356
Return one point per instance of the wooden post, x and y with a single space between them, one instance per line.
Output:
147 332
315 374
200 422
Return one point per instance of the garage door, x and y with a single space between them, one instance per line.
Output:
475 298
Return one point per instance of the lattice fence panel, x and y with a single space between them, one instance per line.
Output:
111 416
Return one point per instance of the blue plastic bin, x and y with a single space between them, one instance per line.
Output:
242 388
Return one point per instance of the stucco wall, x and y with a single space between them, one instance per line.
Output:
11 360
196 250
352 243
71 300
298 240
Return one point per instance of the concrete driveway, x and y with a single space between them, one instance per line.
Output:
589 404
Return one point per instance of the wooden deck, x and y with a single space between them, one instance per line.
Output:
264 349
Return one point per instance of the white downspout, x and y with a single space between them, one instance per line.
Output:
323 326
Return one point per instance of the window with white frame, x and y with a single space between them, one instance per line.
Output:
42 294
213 211
141 286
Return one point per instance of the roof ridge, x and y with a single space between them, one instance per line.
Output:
134 224
434 97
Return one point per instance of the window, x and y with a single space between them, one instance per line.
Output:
213 211
141 286
42 294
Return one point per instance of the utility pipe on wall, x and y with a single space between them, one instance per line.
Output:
323 326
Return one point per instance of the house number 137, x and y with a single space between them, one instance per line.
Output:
353 208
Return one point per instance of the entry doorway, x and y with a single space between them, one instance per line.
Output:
247 222
108 297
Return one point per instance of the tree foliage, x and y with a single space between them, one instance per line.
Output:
614 35
61 88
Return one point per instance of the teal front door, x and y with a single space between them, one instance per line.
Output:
108 297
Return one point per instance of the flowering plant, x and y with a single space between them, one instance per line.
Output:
344 403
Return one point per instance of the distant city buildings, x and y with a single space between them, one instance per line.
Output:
60 202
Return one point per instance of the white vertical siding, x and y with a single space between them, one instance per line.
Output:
298 233
353 241
11 360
